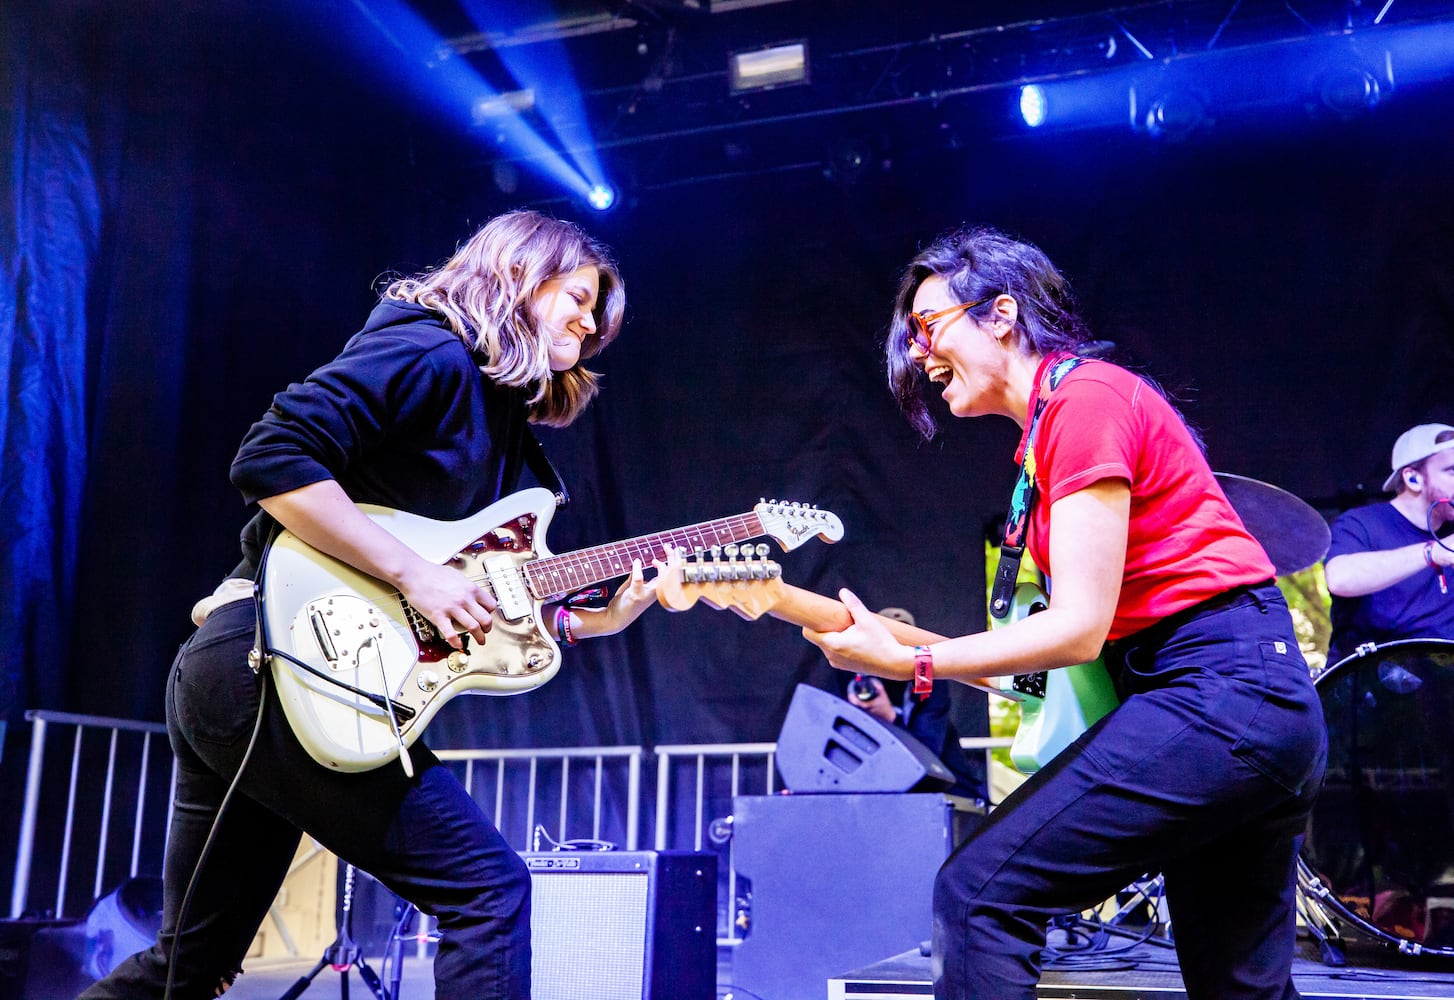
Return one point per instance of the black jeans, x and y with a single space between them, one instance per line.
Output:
423 838
1206 773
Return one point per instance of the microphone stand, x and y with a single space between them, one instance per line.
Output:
343 954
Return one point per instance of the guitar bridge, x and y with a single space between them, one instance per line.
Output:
423 629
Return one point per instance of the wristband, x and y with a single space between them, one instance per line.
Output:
562 626
923 671
1429 555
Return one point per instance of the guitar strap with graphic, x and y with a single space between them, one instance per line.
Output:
1017 524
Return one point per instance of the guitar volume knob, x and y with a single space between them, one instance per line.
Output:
428 680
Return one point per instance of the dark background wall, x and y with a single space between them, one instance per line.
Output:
209 196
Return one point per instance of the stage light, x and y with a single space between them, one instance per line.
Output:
1032 105
1173 115
1348 90
514 102
601 197
763 69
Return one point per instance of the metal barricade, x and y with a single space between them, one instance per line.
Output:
97 800
537 798
548 774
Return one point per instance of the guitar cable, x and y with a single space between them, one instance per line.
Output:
212 833
261 651
396 710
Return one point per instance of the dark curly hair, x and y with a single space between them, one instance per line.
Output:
980 262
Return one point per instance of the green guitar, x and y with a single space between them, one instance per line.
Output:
1056 706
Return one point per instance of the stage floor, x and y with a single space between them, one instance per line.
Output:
1142 972
1149 972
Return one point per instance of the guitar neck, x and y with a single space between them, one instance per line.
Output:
824 614
563 574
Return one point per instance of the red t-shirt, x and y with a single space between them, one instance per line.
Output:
1185 543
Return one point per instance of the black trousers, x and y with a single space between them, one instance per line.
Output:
1206 772
423 838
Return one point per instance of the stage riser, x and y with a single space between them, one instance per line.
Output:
907 975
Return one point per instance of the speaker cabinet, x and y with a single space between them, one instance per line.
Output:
832 883
828 745
623 925
43 959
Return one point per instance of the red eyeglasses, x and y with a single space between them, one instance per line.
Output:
920 333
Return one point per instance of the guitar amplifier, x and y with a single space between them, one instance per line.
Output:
623 925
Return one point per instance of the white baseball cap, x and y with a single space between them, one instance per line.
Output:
1416 444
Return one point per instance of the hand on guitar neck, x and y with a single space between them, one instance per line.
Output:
753 588
1054 708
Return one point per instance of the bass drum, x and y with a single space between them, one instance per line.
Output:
1379 850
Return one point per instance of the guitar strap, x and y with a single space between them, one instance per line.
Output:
1017 523
542 469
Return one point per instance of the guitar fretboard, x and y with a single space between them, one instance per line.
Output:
562 574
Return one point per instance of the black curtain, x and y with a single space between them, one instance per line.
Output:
198 204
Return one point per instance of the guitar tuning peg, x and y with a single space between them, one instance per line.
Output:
761 550
716 551
730 550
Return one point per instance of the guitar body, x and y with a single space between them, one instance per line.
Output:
348 628
1056 706
358 630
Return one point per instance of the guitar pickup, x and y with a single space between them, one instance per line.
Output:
508 584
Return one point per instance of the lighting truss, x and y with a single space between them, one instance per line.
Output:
684 95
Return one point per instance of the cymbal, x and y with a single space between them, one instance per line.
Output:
1294 535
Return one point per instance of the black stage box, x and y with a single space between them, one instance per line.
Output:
624 925
836 882
42 959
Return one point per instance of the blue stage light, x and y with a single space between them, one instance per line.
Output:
601 197
1032 105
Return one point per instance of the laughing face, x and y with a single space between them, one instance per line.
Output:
563 312
964 357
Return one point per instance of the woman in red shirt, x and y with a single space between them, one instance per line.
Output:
1209 767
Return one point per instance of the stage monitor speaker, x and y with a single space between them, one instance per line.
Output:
623 925
832 883
828 745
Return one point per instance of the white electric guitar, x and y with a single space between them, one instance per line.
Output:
347 650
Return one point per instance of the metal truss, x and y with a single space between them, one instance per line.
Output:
878 61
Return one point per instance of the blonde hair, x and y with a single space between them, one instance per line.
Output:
485 293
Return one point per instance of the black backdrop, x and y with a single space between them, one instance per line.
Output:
1294 286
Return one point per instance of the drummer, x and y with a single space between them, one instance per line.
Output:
1388 565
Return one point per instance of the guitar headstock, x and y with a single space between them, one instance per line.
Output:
740 578
791 523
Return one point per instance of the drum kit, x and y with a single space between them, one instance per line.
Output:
1378 853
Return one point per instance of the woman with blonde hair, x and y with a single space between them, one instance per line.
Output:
426 410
